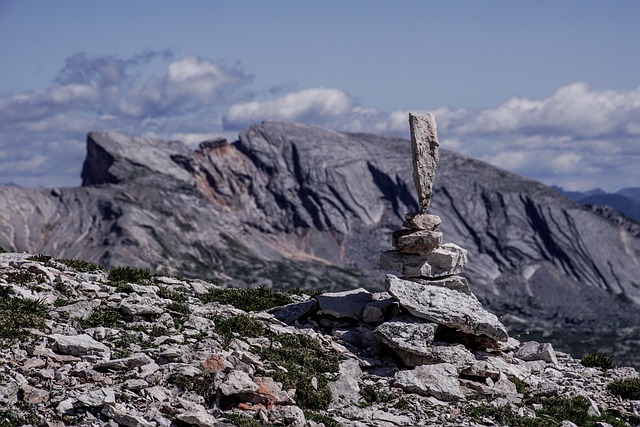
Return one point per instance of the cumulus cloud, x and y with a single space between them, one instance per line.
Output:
317 105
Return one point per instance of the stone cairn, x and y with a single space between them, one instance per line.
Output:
446 319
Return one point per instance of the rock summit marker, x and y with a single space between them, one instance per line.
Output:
429 287
426 155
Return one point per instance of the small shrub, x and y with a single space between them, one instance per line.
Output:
247 299
2 250
573 409
119 275
173 295
598 360
20 277
242 420
521 386
40 258
241 325
101 317
304 359
202 385
374 394
18 313
629 388
80 265
61 302
319 418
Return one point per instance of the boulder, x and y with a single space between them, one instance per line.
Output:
532 350
446 307
439 381
292 312
349 304
79 345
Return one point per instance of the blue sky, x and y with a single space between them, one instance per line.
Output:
547 89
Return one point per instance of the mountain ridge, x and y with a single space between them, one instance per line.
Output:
290 204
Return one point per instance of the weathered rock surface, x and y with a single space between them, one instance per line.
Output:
445 260
446 307
177 367
314 208
416 242
426 155
439 381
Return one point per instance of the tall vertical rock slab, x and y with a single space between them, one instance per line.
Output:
426 155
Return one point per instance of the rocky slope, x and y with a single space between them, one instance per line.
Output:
87 347
294 205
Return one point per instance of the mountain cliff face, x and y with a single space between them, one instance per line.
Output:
290 204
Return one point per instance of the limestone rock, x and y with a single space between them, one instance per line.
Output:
292 312
446 260
426 155
345 304
130 362
532 350
291 416
238 382
378 311
416 242
439 381
345 390
446 307
79 345
121 415
412 340
421 221
455 283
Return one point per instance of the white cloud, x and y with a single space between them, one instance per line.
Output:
313 105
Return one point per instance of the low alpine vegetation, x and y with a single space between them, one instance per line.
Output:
80 265
247 299
121 275
17 313
629 388
598 360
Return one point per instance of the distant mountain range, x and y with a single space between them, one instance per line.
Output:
290 204
625 201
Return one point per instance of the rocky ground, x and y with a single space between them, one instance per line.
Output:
85 346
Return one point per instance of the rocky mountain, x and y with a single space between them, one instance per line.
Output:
625 201
289 205
84 346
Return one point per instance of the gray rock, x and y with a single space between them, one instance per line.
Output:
379 310
198 417
120 414
421 221
439 381
292 312
97 398
446 307
345 391
412 340
455 283
134 361
291 416
238 382
416 242
426 155
345 304
532 350
78 345
446 260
